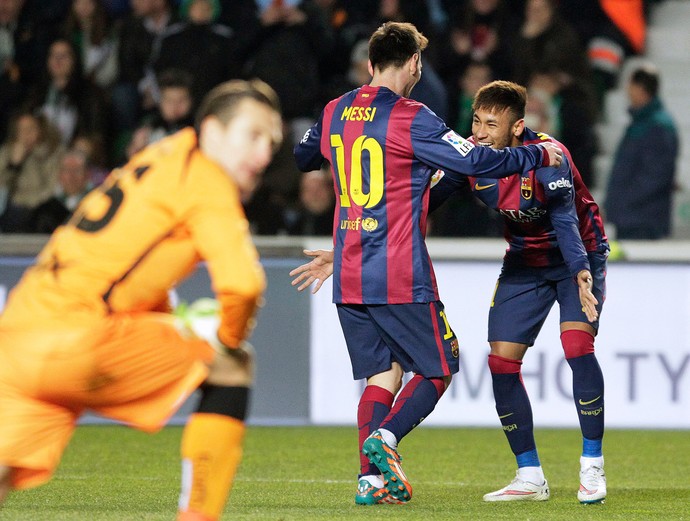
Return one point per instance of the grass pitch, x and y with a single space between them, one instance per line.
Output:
309 473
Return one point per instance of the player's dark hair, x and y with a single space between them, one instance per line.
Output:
394 43
647 77
222 101
501 95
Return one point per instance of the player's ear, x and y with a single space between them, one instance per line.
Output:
519 127
210 133
415 63
370 68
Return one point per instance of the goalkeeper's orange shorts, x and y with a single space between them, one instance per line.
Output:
136 369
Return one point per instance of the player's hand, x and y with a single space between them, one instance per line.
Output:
553 154
587 299
316 271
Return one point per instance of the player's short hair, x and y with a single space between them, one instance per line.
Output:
222 101
394 43
647 77
500 95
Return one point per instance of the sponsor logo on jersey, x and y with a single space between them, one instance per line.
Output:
436 177
523 216
350 224
358 114
526 188
479 187
458 143
306 136
561 183
369 224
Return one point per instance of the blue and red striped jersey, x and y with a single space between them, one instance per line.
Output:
549 215
383 149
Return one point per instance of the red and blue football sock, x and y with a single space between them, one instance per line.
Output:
414 403
374 405
588 388
514 409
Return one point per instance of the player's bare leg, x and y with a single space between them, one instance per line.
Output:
5 482
212 439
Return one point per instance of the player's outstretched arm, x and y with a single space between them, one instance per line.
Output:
587 298
318 270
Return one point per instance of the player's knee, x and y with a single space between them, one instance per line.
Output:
577 343
229 401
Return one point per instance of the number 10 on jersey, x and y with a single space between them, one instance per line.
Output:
352 193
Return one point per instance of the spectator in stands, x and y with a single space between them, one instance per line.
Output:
134 92
23 43
480 30
293 39
73 183
29 161
93 148
611 31
570 114
88 27
242 17
314 213
639 194
174 112
545 38
199 46
69 101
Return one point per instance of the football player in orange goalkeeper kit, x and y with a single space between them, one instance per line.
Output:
89 325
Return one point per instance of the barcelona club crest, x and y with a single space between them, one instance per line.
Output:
455 348
526 188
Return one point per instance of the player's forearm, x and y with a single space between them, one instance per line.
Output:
237 318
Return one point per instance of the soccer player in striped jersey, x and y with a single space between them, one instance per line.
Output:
557 251
383 148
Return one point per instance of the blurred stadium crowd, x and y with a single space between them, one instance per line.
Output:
85 84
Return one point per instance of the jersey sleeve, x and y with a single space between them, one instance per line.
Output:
560 192
440 147
308 151
221 234
443 186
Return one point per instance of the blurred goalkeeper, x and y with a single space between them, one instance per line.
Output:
89 325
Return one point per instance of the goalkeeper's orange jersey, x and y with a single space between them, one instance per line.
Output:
139 235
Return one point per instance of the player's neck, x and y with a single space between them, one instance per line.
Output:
397 80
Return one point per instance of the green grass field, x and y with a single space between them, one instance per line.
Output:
308 473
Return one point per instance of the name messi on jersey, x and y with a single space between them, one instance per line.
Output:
358 114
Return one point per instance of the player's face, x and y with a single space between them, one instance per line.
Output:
244 147
496 129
